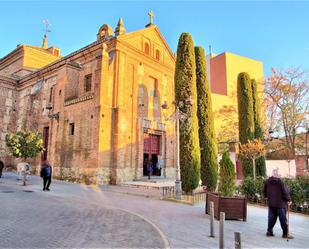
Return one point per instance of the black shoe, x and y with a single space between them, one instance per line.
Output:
287 236
270 234
44 189
48 189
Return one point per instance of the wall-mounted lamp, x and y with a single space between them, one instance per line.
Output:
49 106
55 116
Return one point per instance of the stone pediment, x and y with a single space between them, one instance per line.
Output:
153 37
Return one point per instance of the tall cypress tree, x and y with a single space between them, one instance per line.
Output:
185 88
245 117
207 137
258 131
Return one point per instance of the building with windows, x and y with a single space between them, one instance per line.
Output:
98 108
223 70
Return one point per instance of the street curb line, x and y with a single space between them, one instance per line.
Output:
164 238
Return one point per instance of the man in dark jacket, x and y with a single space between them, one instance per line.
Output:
278 197
46 174
1 168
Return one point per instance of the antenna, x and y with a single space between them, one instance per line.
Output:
210 50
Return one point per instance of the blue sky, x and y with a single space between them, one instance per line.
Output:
275 32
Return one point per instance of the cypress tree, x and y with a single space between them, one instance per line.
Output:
227 184
185 88
207 137
258 131
245 117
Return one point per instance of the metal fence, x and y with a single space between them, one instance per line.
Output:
193 198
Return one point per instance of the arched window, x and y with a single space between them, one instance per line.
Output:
147 48
157 54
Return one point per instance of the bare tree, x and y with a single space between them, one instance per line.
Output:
287 103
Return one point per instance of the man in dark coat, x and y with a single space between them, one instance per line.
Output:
278 197
46 174
1 168
149 168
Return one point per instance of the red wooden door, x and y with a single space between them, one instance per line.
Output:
155 144
147 144
45 142
151 144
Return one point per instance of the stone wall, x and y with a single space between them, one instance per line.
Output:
8 110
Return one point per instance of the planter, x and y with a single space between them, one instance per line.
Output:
233 207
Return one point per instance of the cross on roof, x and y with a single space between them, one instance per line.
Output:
151 15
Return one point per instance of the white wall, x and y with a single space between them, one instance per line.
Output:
284 169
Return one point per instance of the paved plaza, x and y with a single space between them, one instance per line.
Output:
79 216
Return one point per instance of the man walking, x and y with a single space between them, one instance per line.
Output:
1 168
149 168
25 171
46 174
278 198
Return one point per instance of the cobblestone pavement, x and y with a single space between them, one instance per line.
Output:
31 218
90 216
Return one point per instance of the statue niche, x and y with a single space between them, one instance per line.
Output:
105 32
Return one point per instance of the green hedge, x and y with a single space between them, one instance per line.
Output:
299 189
253 192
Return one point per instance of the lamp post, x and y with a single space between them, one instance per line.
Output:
178 187
177 116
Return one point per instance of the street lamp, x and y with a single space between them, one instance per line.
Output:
177 116
52 115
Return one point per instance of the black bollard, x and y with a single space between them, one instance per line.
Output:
237 240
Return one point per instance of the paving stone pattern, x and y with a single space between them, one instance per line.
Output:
40 220
90 216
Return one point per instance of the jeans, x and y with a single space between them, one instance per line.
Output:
46 182
273 213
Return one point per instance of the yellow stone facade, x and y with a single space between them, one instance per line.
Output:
96 106
99 109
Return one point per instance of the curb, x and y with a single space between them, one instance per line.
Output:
163 237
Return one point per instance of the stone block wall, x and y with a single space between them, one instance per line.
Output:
8 111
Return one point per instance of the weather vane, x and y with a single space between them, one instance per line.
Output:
47 27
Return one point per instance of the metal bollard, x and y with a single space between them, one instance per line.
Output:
237 240
221 230
212 218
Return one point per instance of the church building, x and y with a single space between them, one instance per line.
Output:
99 109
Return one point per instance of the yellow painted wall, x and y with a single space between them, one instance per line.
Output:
235 64
35 58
